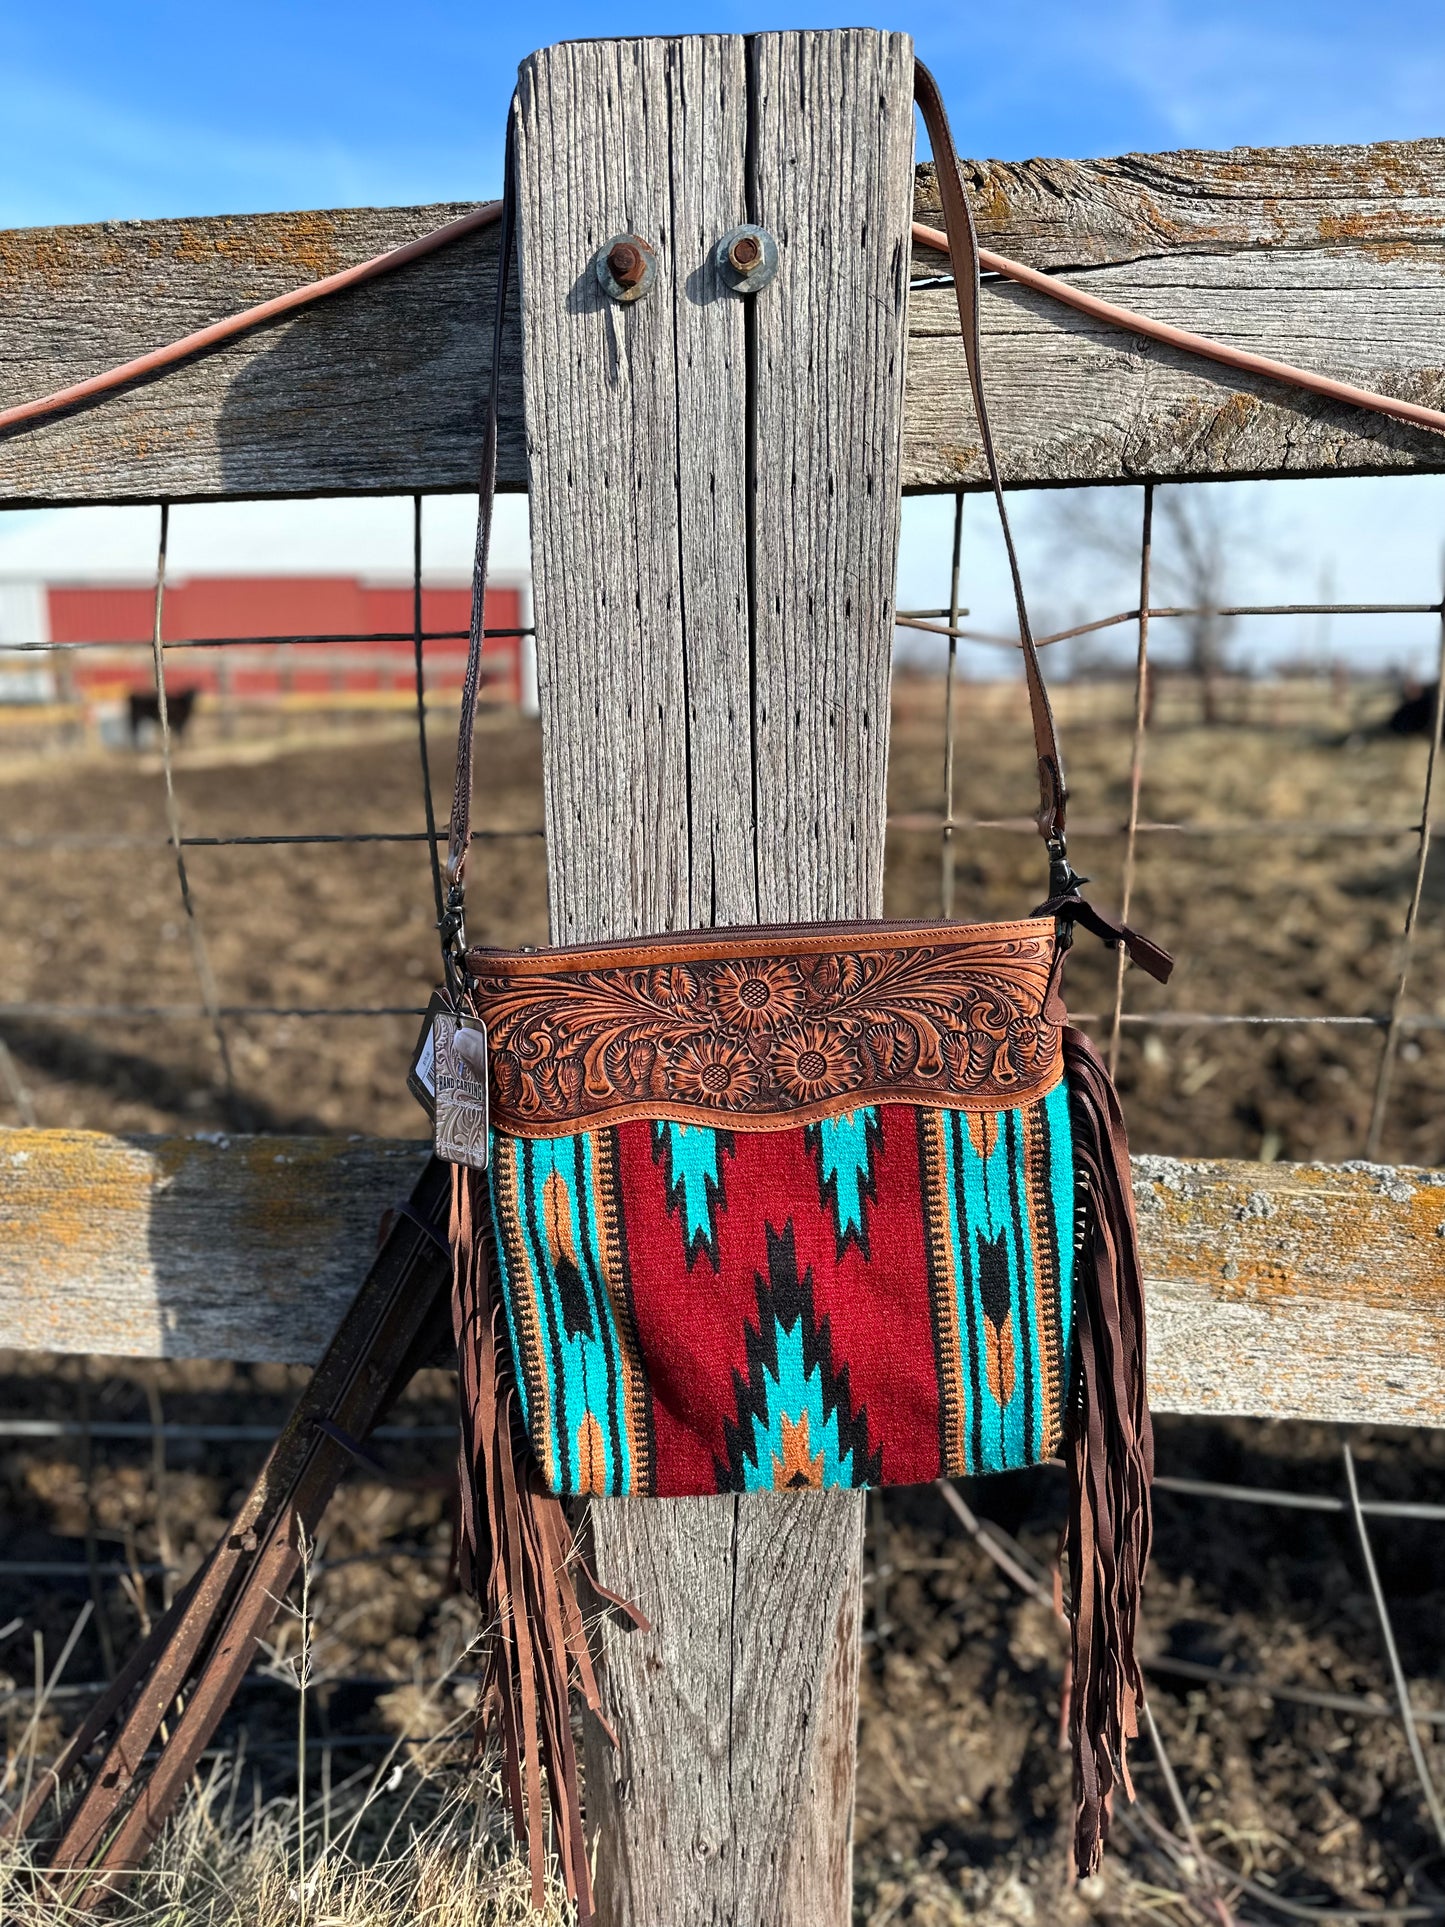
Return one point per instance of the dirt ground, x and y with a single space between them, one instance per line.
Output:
961 1782
1262 923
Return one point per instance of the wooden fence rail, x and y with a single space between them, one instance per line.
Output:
1277 1290
1329 257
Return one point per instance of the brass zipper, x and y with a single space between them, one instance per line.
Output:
745 933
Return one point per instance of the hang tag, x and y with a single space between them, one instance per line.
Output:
459 1077
421 1074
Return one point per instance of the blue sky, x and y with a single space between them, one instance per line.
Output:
118 109
124 111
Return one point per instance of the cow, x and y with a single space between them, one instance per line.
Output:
145 708
1415 713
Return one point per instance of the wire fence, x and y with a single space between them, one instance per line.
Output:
210 1008
1392 1023
362 1693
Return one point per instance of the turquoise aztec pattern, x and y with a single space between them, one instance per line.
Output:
881 1297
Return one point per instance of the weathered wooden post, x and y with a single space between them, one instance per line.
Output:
715 483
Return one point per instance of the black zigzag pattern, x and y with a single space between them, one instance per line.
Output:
853 1232
785 1298
697 1238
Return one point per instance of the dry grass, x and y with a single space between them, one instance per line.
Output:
427 1848
420 1838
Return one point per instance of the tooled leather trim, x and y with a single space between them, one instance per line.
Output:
765 1031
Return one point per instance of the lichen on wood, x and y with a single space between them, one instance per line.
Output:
1279 1290
1329 257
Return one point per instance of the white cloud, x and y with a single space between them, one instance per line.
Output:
1146 74
73 154
1220 75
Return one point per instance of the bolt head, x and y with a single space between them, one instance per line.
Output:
747 258
627 264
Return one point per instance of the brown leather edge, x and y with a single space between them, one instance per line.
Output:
743 940
924 1097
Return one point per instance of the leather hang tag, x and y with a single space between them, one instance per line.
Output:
459 1074
421 1073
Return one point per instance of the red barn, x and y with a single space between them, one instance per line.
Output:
373 624
275 580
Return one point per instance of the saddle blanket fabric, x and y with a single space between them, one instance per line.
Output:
878 1298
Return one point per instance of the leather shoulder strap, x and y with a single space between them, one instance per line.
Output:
963 247
963 250
453 928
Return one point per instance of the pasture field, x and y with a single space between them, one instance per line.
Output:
961 1784
1274 921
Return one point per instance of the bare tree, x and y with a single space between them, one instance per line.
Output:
1200 525
1199 531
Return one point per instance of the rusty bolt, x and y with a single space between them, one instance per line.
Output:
747 259
745 253
626 267
627 263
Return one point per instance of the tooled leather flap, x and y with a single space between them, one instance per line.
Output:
759 1030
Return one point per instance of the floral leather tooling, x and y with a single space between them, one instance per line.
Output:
781 1028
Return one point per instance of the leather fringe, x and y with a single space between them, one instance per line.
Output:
1110 1456
515 1554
